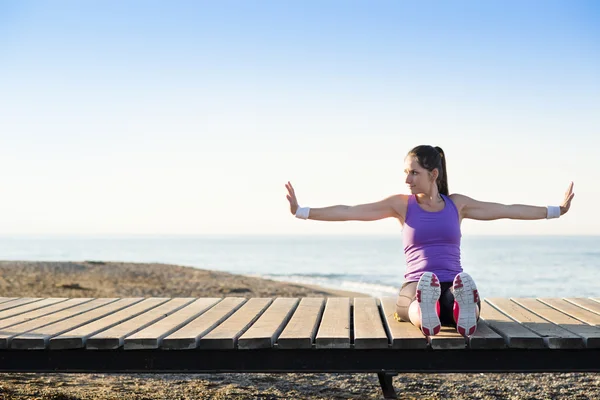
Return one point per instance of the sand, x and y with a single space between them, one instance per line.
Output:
98 279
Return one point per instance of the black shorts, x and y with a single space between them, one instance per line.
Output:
408 293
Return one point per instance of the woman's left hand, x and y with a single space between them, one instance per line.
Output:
567 201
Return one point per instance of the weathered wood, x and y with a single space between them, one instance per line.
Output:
589 333
187 337
41 312
225 336
77 338
368 327
402 334
485 338
573 310
588 304
37 339
114 337
447 339
59 323
29 307
7 334
5 299
334 331
264 332
515 335
554 336
151 336
18 302
300 332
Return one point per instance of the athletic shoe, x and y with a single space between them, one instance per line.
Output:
428 294
465 304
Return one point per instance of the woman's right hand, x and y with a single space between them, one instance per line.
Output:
291 196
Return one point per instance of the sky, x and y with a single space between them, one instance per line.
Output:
188 117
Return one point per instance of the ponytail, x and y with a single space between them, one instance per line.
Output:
442 180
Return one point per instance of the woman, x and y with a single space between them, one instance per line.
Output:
435 291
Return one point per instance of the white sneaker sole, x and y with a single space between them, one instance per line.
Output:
428 294
466 295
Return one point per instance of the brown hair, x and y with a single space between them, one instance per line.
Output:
430 158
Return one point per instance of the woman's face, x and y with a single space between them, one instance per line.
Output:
418 179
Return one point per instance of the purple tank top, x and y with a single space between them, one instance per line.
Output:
431 241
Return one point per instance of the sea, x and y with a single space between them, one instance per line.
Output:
502 266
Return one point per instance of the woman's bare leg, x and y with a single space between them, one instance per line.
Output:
414 314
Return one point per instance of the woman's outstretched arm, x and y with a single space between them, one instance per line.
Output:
485 211
385 208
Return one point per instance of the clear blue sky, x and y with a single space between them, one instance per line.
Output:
147 117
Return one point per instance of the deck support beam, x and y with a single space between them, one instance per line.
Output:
309 360
387 387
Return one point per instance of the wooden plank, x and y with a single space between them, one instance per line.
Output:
553 335
402 334
188 336
573 310
114 337
368 328
515 335
447 339
37 339
264 332
18 302
485 338
151 336
334 330
77 338
5 299
587 304
29 307
300 332
41 312
589 333
225 336
7 334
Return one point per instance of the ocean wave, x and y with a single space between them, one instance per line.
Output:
339 282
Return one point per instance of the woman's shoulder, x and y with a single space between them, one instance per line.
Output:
401 199
400 204
459 200
458 197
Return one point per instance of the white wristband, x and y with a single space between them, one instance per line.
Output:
552 212
302 212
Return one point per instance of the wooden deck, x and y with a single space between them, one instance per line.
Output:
334 335
284 323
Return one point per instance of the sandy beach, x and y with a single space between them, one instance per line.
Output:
99 279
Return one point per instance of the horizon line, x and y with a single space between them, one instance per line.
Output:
303 235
